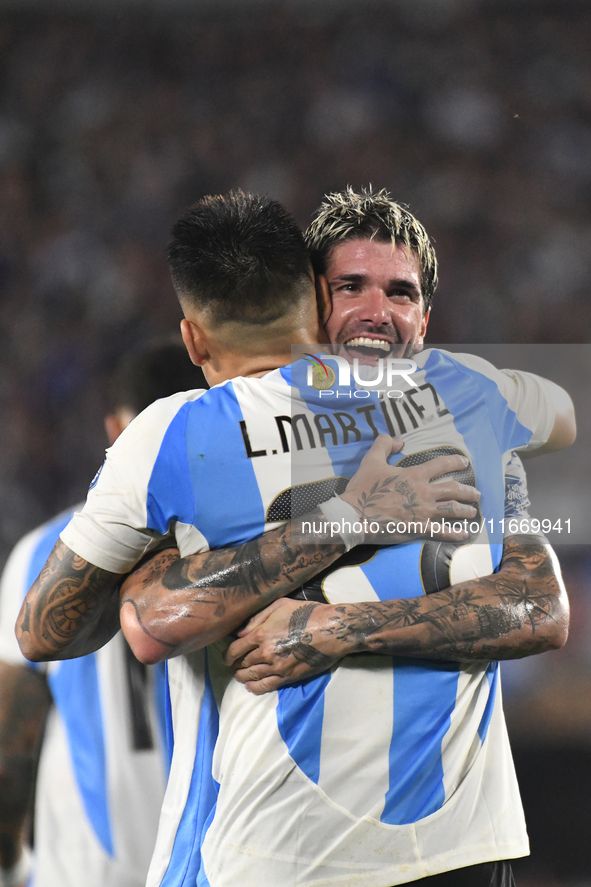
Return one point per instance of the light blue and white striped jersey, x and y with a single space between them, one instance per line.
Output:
103 764
383 770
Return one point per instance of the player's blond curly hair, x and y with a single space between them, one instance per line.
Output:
345 215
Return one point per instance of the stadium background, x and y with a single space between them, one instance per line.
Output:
116 115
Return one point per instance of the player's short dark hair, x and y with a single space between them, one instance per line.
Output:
348 215
239 257
151 371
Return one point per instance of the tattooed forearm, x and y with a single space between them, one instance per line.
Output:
71 609
186 603
495 623
520 611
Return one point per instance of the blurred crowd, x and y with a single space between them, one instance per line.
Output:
476 115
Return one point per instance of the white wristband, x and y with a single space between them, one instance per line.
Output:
18 875
349 528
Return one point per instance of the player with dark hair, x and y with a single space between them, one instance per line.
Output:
293 803
241 251
103 763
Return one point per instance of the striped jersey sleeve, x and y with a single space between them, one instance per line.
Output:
526 395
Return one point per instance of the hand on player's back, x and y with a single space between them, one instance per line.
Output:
405 503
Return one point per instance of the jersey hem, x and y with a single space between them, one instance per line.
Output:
392 877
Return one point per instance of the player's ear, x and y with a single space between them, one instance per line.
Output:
323 299
195 341
423 327
112 427
117 421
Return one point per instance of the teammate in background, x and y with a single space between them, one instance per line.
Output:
178 470
103 763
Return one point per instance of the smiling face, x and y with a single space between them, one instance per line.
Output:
376 297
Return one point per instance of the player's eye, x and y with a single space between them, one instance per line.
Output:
403 295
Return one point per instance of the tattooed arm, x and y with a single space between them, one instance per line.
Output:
24 702
71 609
172 605
517 612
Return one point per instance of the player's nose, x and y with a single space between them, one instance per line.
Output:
374 306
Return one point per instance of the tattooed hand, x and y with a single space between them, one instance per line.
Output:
388 495
281 645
